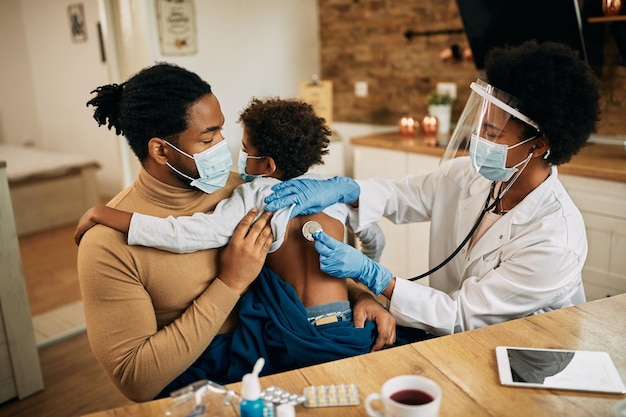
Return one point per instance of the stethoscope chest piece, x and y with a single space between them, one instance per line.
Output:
309 228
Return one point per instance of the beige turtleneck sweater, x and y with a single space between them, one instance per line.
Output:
151 313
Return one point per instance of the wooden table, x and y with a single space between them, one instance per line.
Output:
464 365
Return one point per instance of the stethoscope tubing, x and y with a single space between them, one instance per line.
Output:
485 209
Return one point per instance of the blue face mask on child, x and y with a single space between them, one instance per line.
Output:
241 165
213 166
489 158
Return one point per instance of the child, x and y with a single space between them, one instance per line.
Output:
282 139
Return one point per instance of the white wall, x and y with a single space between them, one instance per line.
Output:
245 48
251 48
18 119
58 74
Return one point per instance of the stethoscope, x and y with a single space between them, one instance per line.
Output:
487 208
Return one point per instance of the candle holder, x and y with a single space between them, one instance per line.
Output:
430 124
408 126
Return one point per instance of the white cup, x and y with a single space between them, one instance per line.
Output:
406 396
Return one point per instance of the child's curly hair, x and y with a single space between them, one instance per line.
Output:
554 87
289 131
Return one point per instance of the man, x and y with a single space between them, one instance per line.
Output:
151 314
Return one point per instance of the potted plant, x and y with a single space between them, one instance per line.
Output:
440 106
436 99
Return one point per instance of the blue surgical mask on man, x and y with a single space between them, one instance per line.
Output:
241 165
213 165
489 158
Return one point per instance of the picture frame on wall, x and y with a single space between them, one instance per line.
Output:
177 27
78 29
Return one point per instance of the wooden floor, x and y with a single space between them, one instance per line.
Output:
74 382
49 262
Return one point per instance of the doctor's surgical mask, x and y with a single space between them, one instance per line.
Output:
241 165
213 166
489 158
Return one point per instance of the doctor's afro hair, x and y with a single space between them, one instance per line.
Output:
554 87
287 130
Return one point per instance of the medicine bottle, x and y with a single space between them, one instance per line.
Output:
252 404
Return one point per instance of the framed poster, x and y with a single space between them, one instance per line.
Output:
76 15
177 27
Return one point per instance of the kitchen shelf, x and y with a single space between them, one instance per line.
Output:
607 19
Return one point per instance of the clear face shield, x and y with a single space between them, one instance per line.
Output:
478 134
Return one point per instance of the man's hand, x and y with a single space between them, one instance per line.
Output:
242 259
366 308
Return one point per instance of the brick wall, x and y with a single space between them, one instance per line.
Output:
363 40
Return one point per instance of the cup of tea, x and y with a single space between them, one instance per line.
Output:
406 396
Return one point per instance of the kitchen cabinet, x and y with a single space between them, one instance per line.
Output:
603 206
406 249
333 161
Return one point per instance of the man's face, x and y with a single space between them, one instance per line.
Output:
204 130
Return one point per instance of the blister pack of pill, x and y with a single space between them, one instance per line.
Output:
277 396
331 395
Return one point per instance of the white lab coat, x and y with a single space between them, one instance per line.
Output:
528 262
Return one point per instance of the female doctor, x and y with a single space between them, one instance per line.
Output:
506 240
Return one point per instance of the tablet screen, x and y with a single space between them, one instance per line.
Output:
556 368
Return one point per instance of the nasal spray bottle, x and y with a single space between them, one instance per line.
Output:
252 404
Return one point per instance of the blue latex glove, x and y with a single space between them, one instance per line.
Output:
343 261
312 196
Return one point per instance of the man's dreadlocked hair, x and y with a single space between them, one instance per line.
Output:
152 103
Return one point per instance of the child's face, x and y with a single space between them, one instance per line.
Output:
254 164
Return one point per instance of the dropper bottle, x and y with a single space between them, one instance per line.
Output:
252 404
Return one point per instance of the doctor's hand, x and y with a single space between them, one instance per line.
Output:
343 261
312 196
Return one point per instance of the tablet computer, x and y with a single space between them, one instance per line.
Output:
558 369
